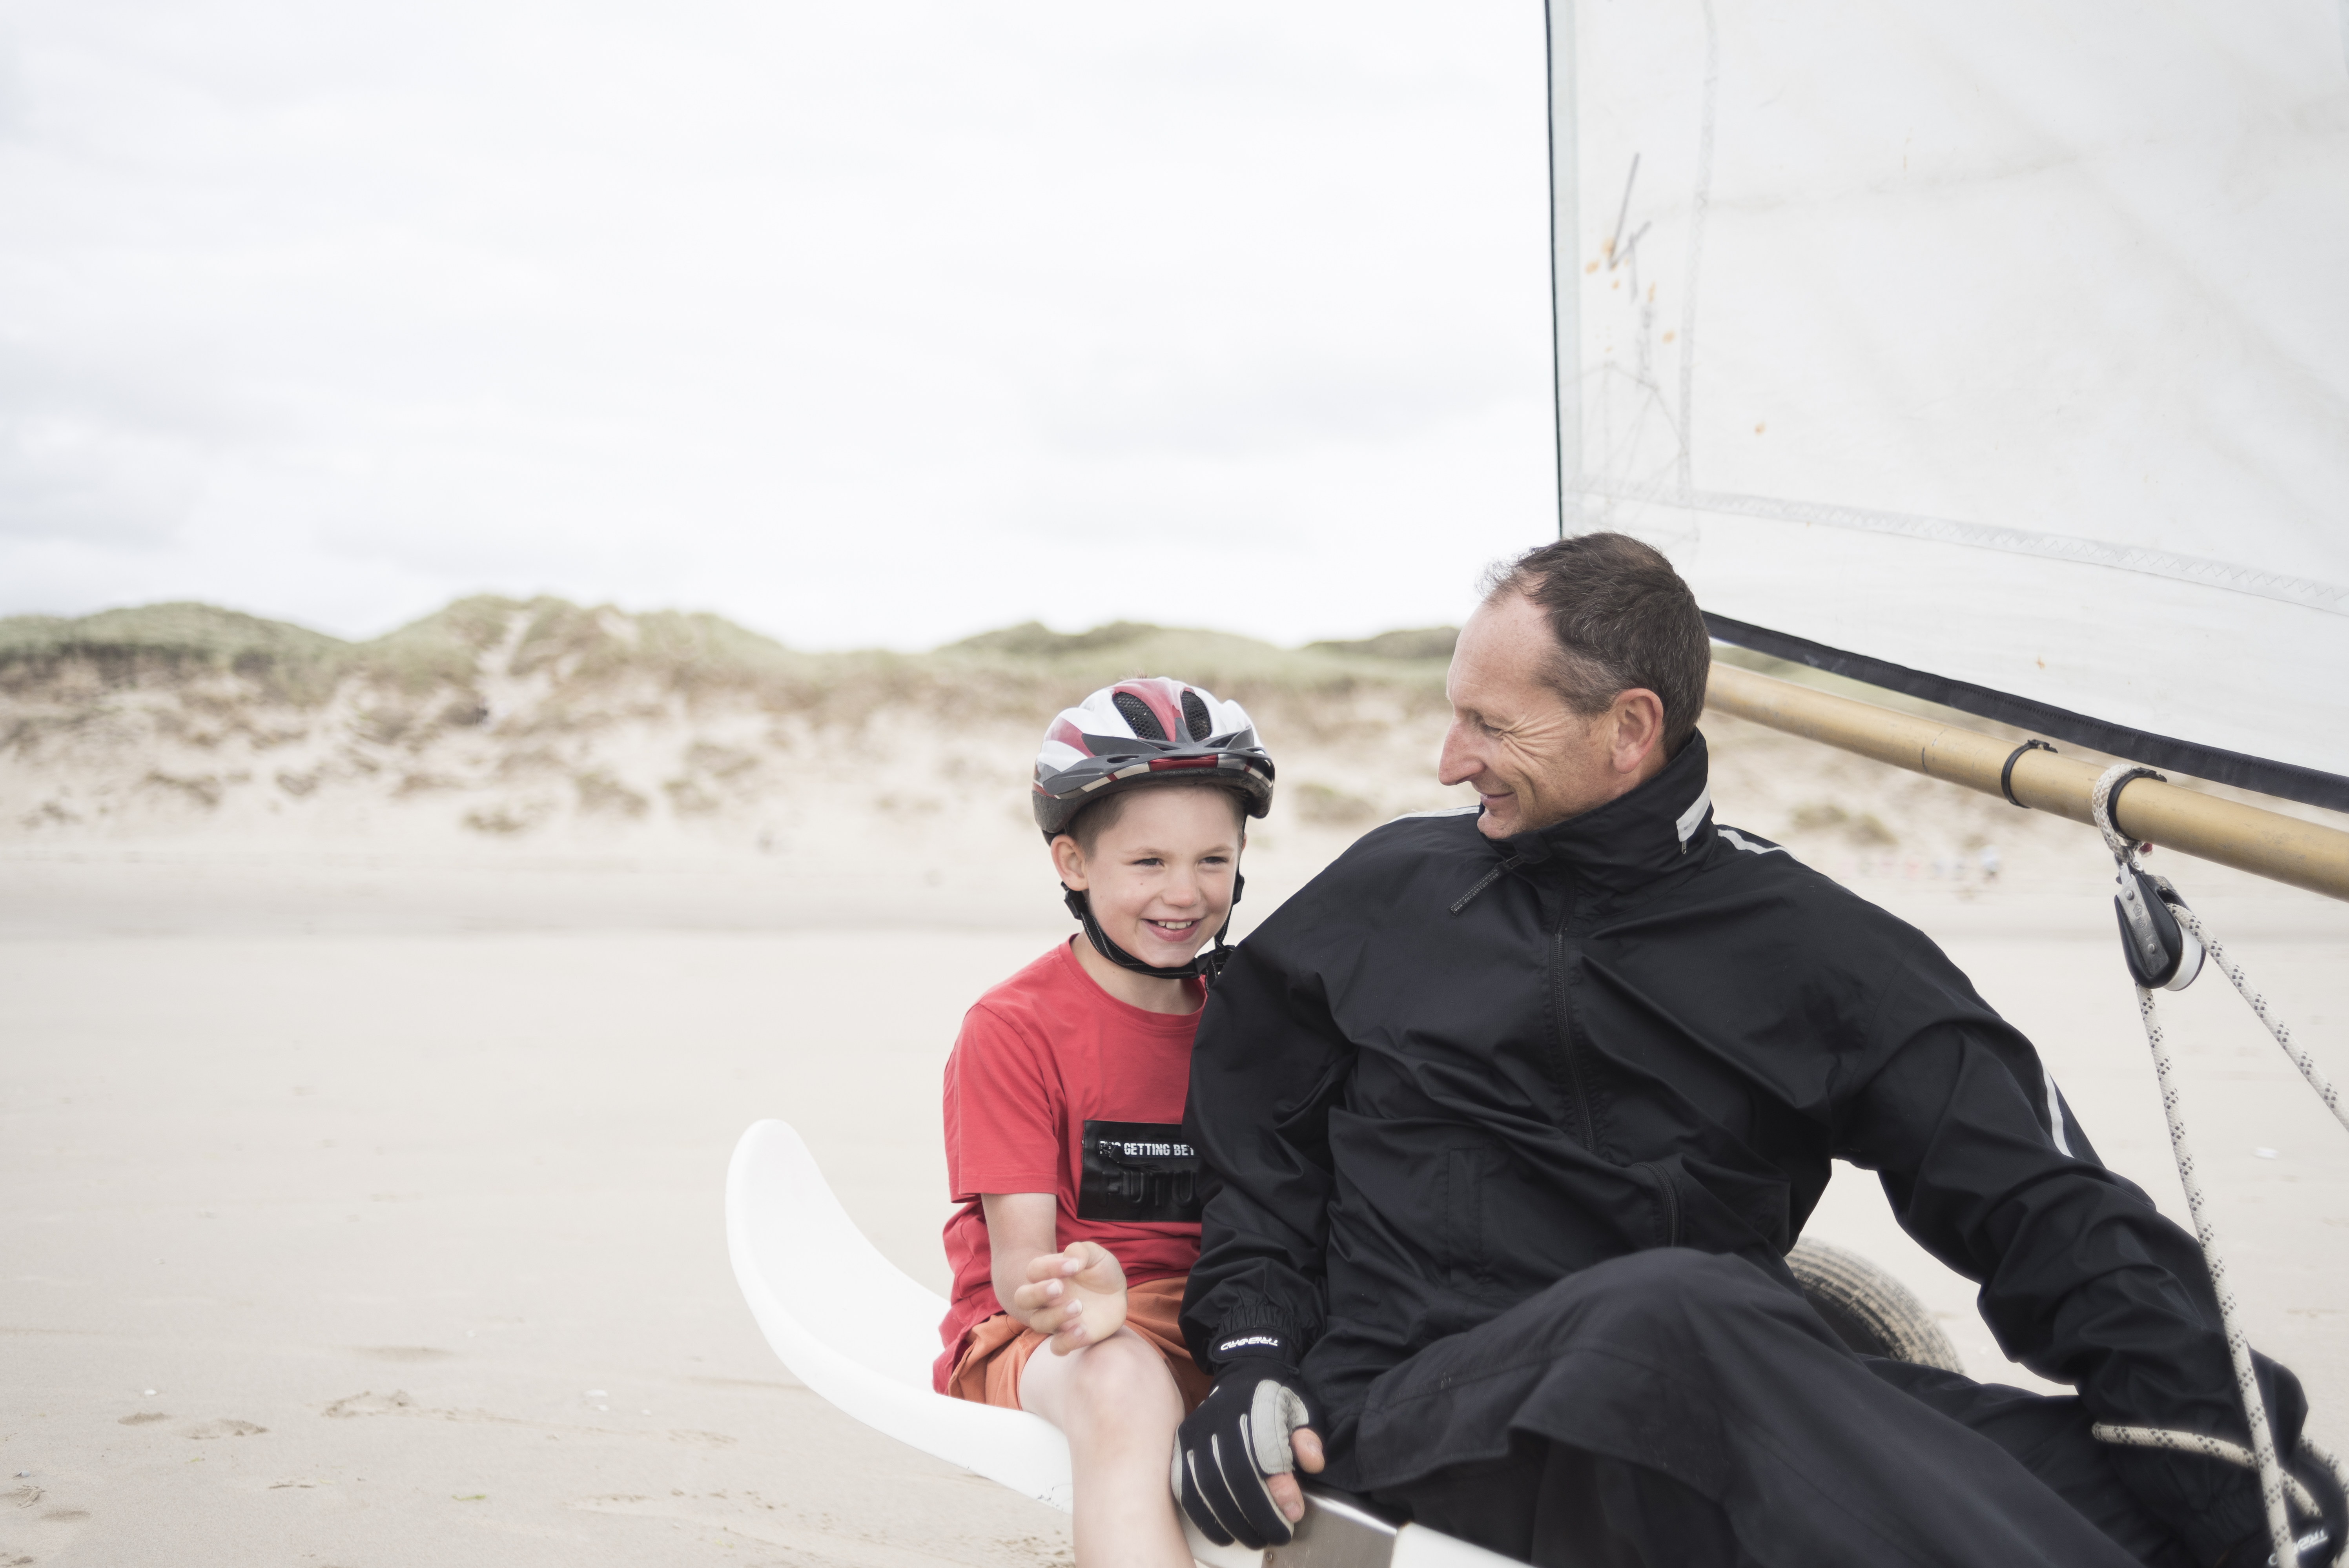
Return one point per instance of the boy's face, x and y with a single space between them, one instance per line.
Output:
1160 877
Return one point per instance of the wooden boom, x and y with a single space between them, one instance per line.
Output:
2304 854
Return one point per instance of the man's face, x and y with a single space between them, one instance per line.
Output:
1532 760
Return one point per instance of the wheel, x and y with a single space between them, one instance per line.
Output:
1870 1311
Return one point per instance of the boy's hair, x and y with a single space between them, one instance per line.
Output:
1089 824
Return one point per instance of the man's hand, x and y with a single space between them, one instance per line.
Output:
1305 1445
1235 1455
2331 1509
1077 1296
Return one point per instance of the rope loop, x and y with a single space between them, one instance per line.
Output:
2208 1447
2108 786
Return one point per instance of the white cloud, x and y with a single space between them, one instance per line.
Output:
859 323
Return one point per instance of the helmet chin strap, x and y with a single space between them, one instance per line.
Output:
1205 966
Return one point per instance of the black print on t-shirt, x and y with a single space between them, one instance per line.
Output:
1139 1172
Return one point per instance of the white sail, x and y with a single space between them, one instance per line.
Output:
1998 351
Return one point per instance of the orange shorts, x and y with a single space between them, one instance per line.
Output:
996 1352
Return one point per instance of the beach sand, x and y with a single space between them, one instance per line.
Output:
364 1204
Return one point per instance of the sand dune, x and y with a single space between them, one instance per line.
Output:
499 733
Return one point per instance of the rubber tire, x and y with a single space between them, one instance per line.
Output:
1870 1311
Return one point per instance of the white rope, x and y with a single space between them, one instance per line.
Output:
2308 1446
2196 1443
2239 1346
2100 809
2234 972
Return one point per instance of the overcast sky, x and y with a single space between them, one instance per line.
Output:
861 323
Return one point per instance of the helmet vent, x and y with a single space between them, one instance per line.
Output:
1195 716
1144 722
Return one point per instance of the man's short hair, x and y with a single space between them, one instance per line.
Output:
1621 617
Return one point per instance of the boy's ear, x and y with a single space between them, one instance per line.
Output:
1069 860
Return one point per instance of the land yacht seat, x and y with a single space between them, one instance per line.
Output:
855 1329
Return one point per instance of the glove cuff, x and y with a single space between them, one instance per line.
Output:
1241 1345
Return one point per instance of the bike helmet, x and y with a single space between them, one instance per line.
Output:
1138 733
1150 730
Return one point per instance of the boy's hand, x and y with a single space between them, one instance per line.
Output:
1077 1296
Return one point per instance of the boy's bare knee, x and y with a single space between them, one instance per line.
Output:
1126 1378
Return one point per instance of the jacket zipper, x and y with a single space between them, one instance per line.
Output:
1670 1199
1565 1037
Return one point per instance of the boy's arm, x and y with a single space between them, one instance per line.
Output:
1076 1296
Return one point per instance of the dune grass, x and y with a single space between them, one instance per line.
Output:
582 650
127 647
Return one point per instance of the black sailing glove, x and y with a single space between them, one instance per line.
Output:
2213 1507
1233 1443
2320 1537
2332 1511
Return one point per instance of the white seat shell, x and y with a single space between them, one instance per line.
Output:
853 1326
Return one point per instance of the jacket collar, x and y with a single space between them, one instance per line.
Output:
1637 837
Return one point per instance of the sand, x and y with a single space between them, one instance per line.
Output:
364 1200
408 1249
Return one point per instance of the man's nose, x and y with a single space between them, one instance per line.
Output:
1456 763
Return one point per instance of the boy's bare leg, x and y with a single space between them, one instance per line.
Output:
1119 1406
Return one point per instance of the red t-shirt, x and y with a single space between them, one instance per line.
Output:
1055 1086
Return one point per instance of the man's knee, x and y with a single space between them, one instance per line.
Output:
1681 1273
1669 1329
1673 1308
1668 1290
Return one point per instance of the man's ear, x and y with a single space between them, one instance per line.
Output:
1638 717
1069 861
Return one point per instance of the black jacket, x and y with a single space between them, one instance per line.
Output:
1451 1071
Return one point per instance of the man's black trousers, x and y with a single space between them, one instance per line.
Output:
1679 1408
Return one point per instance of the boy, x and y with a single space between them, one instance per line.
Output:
1064 1095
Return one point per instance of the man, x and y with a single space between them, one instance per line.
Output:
1516 1112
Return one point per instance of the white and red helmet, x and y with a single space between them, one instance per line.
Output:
1148 730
